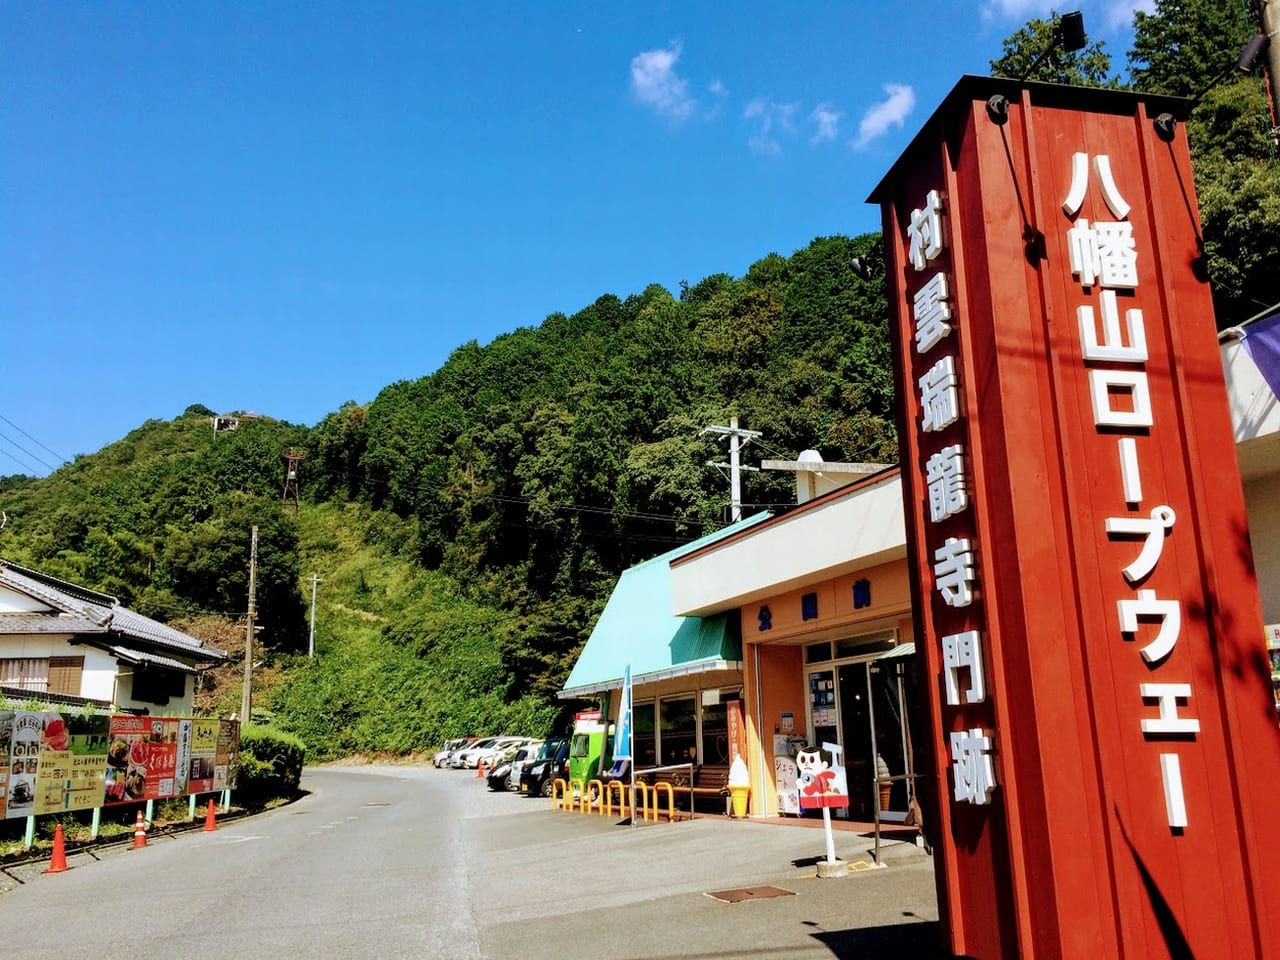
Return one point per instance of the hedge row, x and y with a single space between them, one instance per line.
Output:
270 764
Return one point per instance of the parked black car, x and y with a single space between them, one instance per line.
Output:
537 777
497 777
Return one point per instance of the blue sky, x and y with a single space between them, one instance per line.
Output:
279 207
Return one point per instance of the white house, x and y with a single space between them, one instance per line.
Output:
64 643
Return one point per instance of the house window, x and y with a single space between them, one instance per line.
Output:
678 738
64 675
157 684
30 673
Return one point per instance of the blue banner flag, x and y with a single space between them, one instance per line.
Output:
622 733
1262 342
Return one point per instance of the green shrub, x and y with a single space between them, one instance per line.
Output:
270 764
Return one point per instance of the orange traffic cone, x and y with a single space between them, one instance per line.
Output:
139 833
58 862
210 821
480 769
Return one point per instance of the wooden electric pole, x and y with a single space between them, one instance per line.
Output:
246 694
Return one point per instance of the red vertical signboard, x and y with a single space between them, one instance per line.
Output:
1104 740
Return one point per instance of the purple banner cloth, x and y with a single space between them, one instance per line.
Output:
1262 341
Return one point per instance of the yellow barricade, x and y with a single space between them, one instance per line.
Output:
577 796
559 794
606 806
671 801
595 796
643 789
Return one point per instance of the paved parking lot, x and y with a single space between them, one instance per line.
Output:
400 861
610 890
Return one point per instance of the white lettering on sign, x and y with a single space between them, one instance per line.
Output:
924 232
1152 530
946 483
1130 474
932 311
945 476
1080 185
1105 254
939 396
1111 345
1168 612
975 776
1175 804
963 651
1168 723
1106 387
953 571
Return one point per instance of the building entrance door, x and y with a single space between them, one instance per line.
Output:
874 736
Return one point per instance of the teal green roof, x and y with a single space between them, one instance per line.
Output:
637 626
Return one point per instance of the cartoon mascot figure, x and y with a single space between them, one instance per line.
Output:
814 776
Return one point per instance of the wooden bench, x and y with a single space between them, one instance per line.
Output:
709 780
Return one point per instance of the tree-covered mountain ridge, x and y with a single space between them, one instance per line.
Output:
467 526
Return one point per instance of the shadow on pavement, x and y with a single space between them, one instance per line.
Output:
919 941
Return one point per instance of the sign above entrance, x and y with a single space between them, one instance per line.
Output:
1075 524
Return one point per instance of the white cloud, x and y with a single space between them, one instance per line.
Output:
1119 13
720 96
890 112
826 118
1016 9
655 83
770 118
1113 14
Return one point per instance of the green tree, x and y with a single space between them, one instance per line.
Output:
1181 48
1088 67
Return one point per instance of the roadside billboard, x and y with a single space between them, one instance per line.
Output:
58 762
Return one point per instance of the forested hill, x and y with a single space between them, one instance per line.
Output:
469 524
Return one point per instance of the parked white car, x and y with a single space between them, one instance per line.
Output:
526 754
494 752
441 756
462 757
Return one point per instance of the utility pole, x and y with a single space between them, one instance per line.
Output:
734 466
246 694
311 642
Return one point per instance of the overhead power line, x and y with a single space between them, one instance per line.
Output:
53 453
34 456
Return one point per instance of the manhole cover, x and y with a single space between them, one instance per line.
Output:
749 893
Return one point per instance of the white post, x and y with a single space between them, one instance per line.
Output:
831 840
311 642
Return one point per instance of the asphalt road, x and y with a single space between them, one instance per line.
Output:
391 862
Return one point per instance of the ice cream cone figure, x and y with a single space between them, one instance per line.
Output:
739 786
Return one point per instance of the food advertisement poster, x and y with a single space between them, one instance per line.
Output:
71 778
228 762
203 756
142 759
52 762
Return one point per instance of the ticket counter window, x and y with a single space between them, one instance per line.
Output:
678 733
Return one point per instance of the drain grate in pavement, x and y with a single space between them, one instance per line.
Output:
749 893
